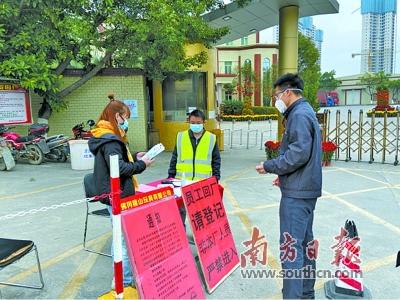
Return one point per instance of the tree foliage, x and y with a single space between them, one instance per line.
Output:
248 80
374 82
39 39
328 82
394 86
309 69
269 77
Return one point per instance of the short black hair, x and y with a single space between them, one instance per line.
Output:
197 113
290 81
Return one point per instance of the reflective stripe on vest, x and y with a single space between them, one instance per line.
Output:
202 160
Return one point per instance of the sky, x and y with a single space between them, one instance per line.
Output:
342 37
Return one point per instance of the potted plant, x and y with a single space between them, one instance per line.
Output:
382 95
382 89
328 148
272 149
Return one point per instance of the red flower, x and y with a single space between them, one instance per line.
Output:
272 145
383 107
328 146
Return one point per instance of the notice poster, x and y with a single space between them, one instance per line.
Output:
211 231
15 107
133 107
163 264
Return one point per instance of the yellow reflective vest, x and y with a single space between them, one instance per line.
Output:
196 166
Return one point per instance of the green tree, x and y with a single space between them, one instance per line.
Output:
269 77
369 80
309 70
39 39
374 82
382 81
394 86
229 88
248 81
328 82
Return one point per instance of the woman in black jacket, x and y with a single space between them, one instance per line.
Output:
109 138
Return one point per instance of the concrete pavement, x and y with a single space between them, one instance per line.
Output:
368 194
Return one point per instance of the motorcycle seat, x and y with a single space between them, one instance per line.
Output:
25 139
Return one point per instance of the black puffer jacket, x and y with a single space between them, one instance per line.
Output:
102 148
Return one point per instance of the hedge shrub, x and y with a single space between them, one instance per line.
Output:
264 110
255 117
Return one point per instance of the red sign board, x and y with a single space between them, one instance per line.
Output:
15 106
140 199
212 233
159 251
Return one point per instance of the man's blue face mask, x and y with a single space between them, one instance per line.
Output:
196 128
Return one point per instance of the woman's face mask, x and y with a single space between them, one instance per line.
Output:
123 125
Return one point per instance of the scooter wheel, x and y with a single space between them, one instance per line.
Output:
35 155
62 156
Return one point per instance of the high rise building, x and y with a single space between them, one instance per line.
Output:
378 35
307 28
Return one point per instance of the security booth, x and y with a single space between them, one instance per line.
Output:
175 97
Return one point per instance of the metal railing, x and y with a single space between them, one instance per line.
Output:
369 139
246 137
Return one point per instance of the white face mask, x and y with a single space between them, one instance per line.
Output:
280 105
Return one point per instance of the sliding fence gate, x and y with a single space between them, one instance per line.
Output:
363 138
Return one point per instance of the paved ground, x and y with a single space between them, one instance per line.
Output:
368 194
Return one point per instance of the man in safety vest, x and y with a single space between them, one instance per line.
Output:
196 155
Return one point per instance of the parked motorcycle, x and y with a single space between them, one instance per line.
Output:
79 131
29 147
7 161
58 144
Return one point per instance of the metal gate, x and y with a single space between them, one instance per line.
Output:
363 138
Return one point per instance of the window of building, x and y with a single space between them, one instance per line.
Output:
353 97
183 94
228 67
247 63
228 96
244 41
266 64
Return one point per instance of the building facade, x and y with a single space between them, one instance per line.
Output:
307 28
232 56
378 35
353 92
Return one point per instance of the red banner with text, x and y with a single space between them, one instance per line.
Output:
163 264
212 233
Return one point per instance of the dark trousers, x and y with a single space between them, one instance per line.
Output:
182 212
296 218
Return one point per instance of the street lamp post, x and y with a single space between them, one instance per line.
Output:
369 58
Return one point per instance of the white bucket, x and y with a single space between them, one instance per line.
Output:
81 157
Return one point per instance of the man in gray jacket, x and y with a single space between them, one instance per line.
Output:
300 180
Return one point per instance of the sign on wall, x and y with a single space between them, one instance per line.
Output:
15 105
133 107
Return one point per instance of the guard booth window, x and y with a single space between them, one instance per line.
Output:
183 94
